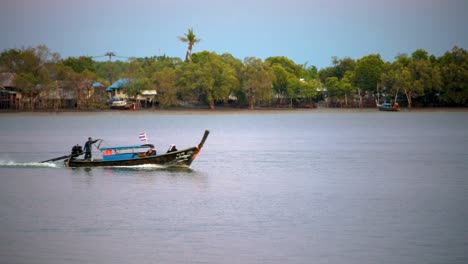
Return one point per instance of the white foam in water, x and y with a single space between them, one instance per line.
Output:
143 166
4 163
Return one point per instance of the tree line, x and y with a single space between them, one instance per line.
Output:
210 79
419 78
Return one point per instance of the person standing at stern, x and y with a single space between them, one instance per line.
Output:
88 148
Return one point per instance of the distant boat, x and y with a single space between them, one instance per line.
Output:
133 155
388 107
119 103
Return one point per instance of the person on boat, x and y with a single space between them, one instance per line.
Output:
172 148
151 151
88 147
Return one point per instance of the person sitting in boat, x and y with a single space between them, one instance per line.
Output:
172 148
151 151
88 147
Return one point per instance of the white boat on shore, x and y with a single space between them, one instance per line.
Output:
120 104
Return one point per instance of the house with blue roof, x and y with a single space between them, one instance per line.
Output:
116 91
117 86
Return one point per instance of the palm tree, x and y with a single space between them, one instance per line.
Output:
191 39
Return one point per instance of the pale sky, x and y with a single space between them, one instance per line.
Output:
306 31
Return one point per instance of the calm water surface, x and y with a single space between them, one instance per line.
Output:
276 187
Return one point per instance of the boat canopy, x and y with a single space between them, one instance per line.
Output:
127 147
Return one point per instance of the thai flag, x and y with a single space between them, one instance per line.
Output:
142 137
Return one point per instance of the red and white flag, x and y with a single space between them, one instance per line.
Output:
142 137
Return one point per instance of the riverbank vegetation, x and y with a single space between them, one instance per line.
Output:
209 80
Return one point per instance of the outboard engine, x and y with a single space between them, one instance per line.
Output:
76 151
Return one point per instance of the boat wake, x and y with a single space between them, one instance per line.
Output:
13 164
141 167
144 167
148 167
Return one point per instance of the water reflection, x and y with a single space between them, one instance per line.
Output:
146 168
137 174
131 170
78 171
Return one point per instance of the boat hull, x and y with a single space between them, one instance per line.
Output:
120 105
389 109
120 108
182 158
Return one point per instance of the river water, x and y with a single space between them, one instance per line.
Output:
268 187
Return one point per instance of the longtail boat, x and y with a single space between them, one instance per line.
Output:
133 155
389 107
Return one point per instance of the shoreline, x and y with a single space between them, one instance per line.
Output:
231 111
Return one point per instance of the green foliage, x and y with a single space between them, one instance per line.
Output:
420 54
136 86
310 73
165 84
236 66
346 85
187 82
413 75
289 65
453 69
154 64
391 80
80 64
333 87
258 78
280 85
325 73
34 68
290 77
339 68
368 72
111 70
213 79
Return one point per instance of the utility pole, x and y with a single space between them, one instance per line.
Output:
110 54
